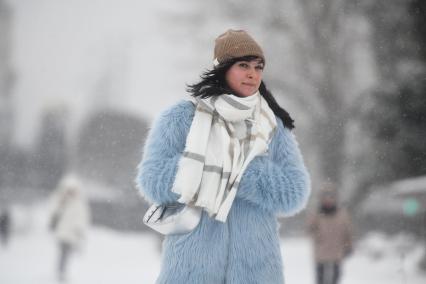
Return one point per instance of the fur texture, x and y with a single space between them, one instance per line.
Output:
246 248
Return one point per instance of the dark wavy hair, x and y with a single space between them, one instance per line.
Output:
213 83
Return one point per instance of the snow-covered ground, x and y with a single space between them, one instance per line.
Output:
113 257
116 257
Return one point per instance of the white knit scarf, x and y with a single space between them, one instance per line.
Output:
227 132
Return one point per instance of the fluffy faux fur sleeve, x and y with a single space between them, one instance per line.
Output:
163 148
278 181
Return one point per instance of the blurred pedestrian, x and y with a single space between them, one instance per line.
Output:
5 226
231 152
330 229
69 221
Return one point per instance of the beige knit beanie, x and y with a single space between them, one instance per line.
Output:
235 43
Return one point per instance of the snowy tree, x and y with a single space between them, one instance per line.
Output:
397 120
397 116
6 110
51 152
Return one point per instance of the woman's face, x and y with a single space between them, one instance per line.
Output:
244 77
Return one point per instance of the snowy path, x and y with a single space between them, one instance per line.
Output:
114 257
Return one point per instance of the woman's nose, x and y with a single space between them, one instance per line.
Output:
250 73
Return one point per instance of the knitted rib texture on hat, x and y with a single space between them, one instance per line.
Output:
236 43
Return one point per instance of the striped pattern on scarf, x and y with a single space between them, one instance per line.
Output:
226 133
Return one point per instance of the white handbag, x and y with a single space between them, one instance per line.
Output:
174 218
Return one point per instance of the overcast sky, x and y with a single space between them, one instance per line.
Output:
127 54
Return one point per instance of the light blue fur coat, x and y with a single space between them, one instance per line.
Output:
245 249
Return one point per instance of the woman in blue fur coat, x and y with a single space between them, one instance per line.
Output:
232 153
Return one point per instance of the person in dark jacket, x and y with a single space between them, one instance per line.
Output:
5 226
232 153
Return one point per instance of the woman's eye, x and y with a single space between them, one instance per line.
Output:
244 65
259 67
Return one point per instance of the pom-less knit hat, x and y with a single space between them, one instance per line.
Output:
233 44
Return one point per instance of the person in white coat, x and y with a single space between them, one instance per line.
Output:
69 220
